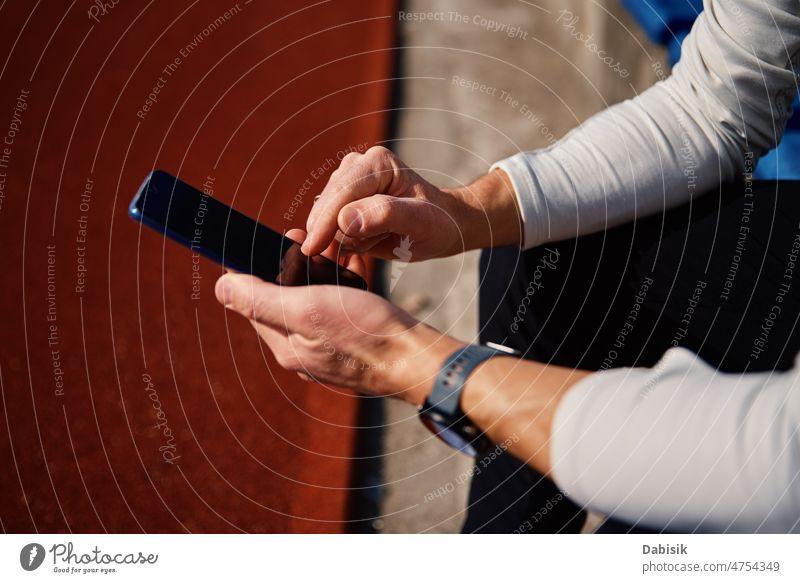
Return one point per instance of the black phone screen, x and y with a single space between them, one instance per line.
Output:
210 227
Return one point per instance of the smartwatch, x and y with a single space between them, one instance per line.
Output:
442 413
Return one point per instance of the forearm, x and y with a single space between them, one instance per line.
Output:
679 446
683 447
514 401
726 103
487 212
511 400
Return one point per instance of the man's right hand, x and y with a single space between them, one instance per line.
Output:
373 201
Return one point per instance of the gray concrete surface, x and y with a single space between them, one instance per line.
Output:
540 80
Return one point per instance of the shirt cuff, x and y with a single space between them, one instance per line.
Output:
529 198
603 433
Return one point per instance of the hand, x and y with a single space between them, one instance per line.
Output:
342 336
374 204
352 338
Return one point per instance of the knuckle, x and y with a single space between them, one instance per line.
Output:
256 308
378 213
280 359
341 188
349 243
340 172
285 360
247 307
260 309
349 159
359 246
380 153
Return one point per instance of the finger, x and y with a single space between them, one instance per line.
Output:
275 338
357 265
279 345
372 174
276 306
336 253
360 246
296 235
348 161
380 215
391 248
334 250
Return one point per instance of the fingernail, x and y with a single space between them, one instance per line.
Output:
223 292
305 247
352 219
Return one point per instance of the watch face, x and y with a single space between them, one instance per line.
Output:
448 434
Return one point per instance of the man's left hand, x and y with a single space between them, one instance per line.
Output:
342 336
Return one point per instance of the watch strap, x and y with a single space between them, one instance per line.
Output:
446 394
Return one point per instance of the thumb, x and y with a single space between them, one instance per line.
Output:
255 299
381 214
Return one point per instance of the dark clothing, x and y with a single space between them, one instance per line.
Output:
701 276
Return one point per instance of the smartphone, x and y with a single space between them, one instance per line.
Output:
213 229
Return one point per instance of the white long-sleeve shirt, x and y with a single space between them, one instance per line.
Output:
680 445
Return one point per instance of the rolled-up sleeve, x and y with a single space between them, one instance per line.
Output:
683 447
726 104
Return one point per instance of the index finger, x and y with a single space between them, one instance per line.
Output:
332 252
371 174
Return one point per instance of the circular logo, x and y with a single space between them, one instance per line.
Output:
31 556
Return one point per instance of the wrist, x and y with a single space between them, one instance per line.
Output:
426 349
517 399
487 212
